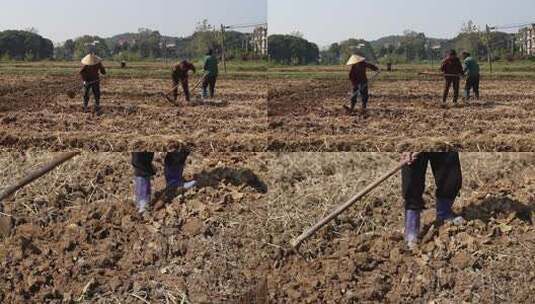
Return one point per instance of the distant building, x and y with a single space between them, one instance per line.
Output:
259 40
526 40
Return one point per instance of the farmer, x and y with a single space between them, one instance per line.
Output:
91 66
448 179
452 69
143 171
211 71
471 69
180 75
359 80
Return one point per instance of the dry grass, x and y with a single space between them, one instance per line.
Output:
215 265
306 186
307 115
136 116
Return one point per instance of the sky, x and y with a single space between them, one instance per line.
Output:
60 20
326 22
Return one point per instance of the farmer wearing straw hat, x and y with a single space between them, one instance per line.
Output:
143 171
452 67
91 67
180 75
359 80
446 168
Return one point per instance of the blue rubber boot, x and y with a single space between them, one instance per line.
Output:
175 181
445 213
412 227
142 191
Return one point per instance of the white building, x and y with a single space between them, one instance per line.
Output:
259 40
526 40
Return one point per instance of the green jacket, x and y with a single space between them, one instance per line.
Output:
471 67
210 66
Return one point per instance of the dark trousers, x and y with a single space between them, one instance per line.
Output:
455 81
185 88
362 90
446 168
95 87
472 82
142 162
209 82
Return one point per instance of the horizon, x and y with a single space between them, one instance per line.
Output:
60 20
338 20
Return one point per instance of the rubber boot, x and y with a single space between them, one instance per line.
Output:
142 191
412 227
204 92
174 180
445 213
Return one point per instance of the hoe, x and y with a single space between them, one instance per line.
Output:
439 74
341 208
71 93
197 84
6 221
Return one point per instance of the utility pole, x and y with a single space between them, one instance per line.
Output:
223 47
489 55
513 42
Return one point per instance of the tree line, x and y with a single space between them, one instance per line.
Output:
24 45
145 44
412 46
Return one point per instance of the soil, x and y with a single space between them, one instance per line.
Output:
36 112
361 258
403 115
79 239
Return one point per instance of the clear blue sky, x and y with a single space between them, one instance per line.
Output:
60 20
328 21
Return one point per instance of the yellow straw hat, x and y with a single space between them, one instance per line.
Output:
355 59
91 59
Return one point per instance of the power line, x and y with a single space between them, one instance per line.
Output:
512 26
245 25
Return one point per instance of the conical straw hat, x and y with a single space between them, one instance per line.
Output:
355 59
91 59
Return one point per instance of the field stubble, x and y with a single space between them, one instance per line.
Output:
78 238
36 112
360 256
404 115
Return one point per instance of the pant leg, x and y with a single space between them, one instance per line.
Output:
174 167
213 82
87 89
354 97
364 93
446 168
175 90
185 88
456 84
446 89
142 163
96 93
476 86
205 83
467 87
413 183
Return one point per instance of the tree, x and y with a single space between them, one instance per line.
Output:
291 50
69 49
85 44
357 46
23 45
